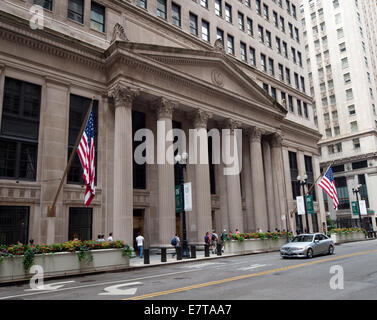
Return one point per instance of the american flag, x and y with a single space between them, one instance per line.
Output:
327 183
85 151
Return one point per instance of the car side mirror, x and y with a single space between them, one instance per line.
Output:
316 241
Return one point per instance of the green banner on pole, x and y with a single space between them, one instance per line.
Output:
178 199
355 208
309 204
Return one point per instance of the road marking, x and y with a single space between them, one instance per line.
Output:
203 265
116 291
49 287
246 276
95 284
254 266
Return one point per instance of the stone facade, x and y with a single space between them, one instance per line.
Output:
143 63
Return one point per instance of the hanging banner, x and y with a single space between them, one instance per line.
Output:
300 205
363 208
309 204
355 209
187 190
178 199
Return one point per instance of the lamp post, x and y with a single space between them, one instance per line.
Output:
356 191
303 182
181 163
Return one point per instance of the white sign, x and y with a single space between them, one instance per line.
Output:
187 191
363 208
300 205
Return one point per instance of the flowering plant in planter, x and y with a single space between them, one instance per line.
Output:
346 231
83 249
258 235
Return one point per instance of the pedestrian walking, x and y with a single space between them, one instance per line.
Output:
208 240
100 238
110 237
140 244
238 231
175 242
215 239
222 238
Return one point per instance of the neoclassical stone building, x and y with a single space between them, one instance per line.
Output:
141 71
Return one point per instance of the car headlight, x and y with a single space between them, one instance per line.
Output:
300 248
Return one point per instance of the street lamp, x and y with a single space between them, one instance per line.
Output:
181 163
303 182
356 191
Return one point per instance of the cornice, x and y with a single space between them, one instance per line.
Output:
348 137
50 42
359 157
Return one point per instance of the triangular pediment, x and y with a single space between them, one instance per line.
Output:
211 68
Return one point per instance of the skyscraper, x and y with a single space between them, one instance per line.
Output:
340 46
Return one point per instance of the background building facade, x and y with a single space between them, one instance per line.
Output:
340 40
187 64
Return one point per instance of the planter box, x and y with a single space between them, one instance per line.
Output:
64 263
343 238
254 246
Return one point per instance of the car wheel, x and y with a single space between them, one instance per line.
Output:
331 250
309 254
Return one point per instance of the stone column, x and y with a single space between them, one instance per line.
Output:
123 163
280 192
165 171
258 181
247 180
270 190
233 180
202 188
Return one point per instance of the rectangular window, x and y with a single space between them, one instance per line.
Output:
78 106
46 4
76 10
263 62
230 44
243 52
19 130
250 30
97 17
14 225
142 3
205 30
228 13
161 9
220 35
80 224
176 14
193 24
218 8
241 21
252 56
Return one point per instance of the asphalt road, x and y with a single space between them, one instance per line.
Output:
351 273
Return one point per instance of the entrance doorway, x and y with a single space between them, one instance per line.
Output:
138 225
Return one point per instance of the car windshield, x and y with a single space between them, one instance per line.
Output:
303 238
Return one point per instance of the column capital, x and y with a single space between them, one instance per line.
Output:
256 134
164 107
123 95
200 118
276 140
232 124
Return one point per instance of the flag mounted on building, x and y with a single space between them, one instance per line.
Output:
327 183
86 154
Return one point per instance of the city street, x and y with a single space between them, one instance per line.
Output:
259 276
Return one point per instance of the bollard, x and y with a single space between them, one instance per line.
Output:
206 250
219 247
163 255
193 252
179 253
146 256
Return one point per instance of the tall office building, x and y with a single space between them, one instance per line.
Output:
340 43
185 64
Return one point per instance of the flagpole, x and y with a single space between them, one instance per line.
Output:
310 189
51 211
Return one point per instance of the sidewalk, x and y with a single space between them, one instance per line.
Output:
155 259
